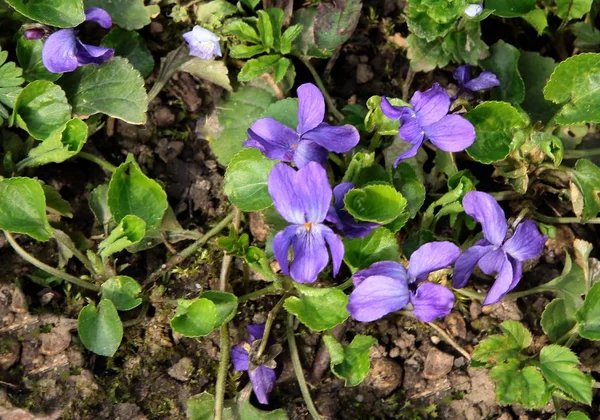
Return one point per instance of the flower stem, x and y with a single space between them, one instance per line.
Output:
222 374
48 269
97 160
330 104
582 153
345 284
259 293
470 294
549 219
269 324
298 369
190 250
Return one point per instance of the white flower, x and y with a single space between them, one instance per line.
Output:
473 10
203 43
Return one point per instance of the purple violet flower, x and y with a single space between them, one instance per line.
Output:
428 119
495 253
343 221
34 33
312 138
303 197
485 80
387 287
203 43
262 377
64 52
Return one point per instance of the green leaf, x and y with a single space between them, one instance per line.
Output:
29 54
115 88
551 145
375 120
100 328
379 245
130 231
288 37
63 144
265 29
55 203
194 318
130 45
99 205
10 82
284 111
526 386
226 128
225 303
559 366
572 9
510 8
416 239
242 30
410 186
212 14
280 69
588 37
335 23
495 124
257 66
503 62
375 203
128 14
202 407
246 51
305 45
575 84
350 362
577 415
424 55
589 314
62 14
246 180
586 177
210 70
23 208
537 19
558 319
130 192
465 46
318 309
497 347
41 108
571 284
123 291
535 71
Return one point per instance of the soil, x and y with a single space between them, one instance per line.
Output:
45 373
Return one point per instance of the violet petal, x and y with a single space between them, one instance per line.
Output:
281 245
432 301
452 133
430 106
337 139
263 380
411 132
58 52
462 74
485 80
336 247
282 187
90 54
310 254
313 192
431 257
240 358
502 285
376 297
98 15
255 332
527 242
311 107
390 111
309 151
465 264
486 210
390 269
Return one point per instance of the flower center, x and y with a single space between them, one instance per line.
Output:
308 226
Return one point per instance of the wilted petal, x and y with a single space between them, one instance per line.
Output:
263 380
333 138
466 262
432 301
239 358
282 188
311 107
58 52
430 257
309 151
336 247
255 332
502 285
98 15
390 269
411 131
452 133
376 297
485 80
313 191
431 105
281 245
462 74
90 54
203 43
408 154
485 209
391 111
527 242
310 254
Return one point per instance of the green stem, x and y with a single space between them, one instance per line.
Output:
48 269
472 294
549 219
65 241
517 295
190 250
345 284
506 195
222 374
97 160
581 153
375 141
298 368
259 293
268 325
330 104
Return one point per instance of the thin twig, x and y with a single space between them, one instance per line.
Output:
259 293
183 255
268 325
48 269
298 368
330 104
410 75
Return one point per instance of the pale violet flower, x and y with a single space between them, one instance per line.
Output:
203 43
473 10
